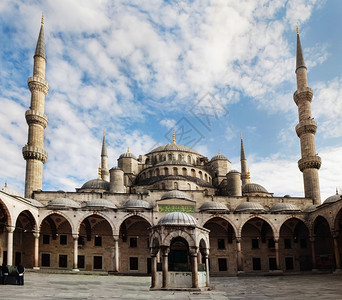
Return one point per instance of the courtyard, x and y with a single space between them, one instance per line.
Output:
39 285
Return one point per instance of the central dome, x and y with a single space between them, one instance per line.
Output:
178 219
173 147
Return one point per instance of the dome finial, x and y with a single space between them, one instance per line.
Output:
336 191
297 29
99 171
6 183
42 21
219 152
173 137
127 149
248 176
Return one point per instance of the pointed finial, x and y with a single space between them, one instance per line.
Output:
42 19
173 137
127 149
6 183
240 135
248 176
336 191
219 152
99 171
297 29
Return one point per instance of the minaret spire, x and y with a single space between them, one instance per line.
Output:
306 129
104 159
243 160
33 151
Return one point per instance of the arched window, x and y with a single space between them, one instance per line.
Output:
169 156
149 174
175 185
157 172
193 173
189 159
206 177
166 171
163 186
147 161
185 172
200 174
175 171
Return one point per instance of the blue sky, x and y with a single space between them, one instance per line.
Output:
138 69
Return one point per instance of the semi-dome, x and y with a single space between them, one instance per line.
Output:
173 147
63 203
178 219
284 207
175 194
214 206
250 207
99 204
253 188
127 155
219 157
333 198
136 204
96 184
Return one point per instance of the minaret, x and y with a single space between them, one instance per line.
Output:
306 129
33 151
104 159
244 170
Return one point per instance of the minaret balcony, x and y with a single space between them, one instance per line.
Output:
33 152
310 162
36 117
38 83
306 126
304 94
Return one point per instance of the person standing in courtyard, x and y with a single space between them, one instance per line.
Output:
4 273
20 271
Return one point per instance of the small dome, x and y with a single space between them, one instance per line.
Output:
127 155
99 204
135 204
96 184
214 206
250 207
178 219
219 157
63 203
175 194
310 208
333 199
233 171
253 188
284 207
10 191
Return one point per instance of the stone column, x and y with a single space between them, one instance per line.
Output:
36 235
10 231
313 253
75 263
116 254
194 267
239 254
154 271
165 263
206 256
276 244
337 253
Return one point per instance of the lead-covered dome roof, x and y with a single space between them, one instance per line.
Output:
250 207
173 147
219 157
63 203
127 155
178 219
99 204
253 188
175 194
284 207
333 198
96 184
136 204
214 206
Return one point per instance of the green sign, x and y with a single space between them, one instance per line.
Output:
180 208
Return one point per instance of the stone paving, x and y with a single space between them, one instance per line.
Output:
67 286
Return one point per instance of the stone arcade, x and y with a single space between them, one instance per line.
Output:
169 209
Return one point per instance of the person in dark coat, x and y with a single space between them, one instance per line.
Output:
20 272
4 273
